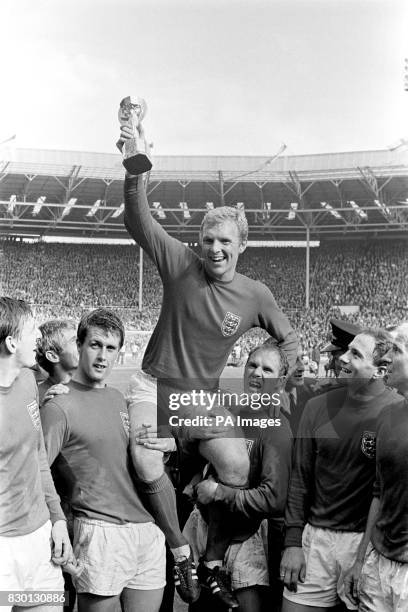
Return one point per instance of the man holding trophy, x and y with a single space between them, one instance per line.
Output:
206 307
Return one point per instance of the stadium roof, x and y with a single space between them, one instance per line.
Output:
69 193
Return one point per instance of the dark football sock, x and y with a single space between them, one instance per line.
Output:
220 531
161 499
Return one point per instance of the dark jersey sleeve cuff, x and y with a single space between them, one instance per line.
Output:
293 536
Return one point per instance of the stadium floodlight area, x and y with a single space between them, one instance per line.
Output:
186 212
361 213
118 211
292 213
12 204
330 209
385 209
159 210
38 206
94 208
68 207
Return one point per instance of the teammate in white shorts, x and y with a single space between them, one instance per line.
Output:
87 438
34 540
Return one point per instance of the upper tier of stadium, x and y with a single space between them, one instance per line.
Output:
73 193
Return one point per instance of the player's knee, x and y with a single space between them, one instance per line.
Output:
230 459
147 463
235 474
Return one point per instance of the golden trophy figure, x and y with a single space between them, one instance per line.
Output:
136 151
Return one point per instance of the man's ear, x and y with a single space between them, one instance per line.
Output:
10 344
242 247
52 356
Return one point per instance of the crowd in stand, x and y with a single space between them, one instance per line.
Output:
66 279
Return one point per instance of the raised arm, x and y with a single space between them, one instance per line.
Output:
166 252
145 230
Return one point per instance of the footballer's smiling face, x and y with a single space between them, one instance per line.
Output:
262 372
220 248
357 363
97 356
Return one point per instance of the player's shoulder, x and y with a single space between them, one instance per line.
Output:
394 415
392 397
391 404
256 286
64 401
27 376
25 383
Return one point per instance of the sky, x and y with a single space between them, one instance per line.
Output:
220 77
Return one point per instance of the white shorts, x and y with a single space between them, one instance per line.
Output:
383 584
115 557
328 554
247 562
25 563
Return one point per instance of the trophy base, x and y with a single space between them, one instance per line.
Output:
137 164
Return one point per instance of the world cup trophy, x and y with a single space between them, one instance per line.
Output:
135 150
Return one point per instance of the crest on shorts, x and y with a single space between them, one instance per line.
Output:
368 444
230 324
125 421
32 409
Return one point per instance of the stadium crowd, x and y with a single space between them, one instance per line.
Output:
372 275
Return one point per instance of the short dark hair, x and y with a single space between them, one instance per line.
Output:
51 340
383 343
271 345
104 319
13 314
